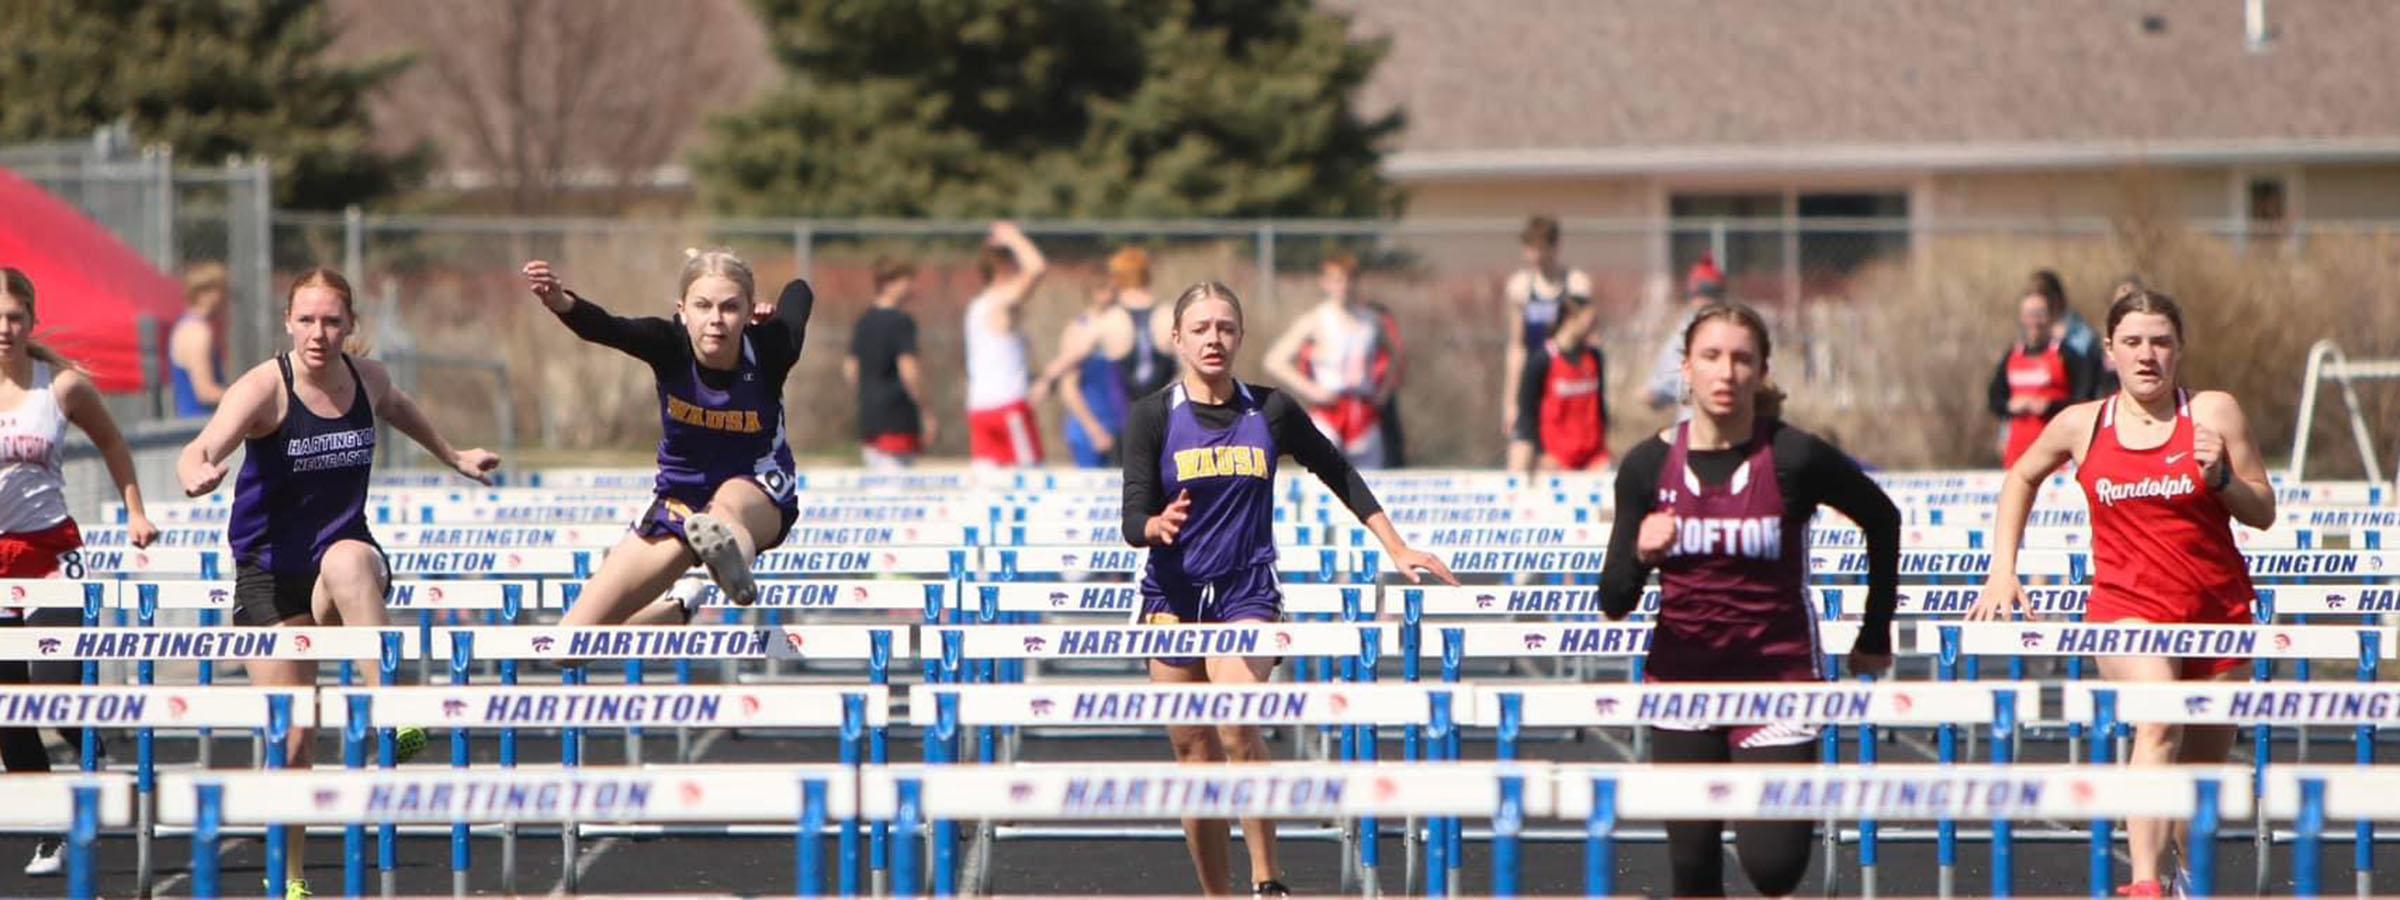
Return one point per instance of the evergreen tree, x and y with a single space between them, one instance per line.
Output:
1063 108
211 78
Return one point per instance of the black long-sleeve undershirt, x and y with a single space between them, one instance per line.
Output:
1810 472
1295 435
665 345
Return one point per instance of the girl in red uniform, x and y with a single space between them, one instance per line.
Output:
2162 469
1562 398
2038 377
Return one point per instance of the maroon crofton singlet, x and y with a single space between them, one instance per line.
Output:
1734 604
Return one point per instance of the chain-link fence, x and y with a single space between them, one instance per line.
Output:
1878 322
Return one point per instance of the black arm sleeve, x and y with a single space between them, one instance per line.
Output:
1622 572
1145 430
1999 389
1301 440
1838 482
1529 398
779 338
652 340
2079 380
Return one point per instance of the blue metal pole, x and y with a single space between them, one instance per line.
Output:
2309 845
2104 724
462 666
2203 864
207 821
1507 822
2004 728
1600 840
811 838
354 756
854 713
279 731
904 839
81 835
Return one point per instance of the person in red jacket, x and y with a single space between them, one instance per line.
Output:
2037 377
1562 398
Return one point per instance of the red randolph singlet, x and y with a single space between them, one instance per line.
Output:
2041 377
1574 430
2162 542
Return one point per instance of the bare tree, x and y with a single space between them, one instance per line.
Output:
555 104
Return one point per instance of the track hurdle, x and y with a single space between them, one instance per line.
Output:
912 796
87 802
1357 709
875 645
811 797
1603 796
1510 708
145 708
2308 796
848 710
147 646
2259 706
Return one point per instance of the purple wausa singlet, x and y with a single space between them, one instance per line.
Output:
303 487
1734 585
1231 476
712 436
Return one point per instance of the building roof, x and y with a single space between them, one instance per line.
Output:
1589 86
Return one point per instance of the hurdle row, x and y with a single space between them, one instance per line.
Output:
818 802
1828 533
1355 707
1293 564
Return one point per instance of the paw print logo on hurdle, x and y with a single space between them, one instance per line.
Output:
2336 601
543 643
1020 791
2082 791
2197 704
2032 640
750 706
1606 706
219 596
324 798
1034 643
1485 601
859 595
1043 706
433 595
1534 640
1058 598
301 643
453 708
48 646
2283 641
1283 640
1068 560
792 641
1720 791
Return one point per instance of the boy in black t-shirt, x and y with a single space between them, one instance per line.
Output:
893 426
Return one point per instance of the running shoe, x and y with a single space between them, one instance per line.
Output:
49 858
406 744
2150 888
713 541
295 889
1270 888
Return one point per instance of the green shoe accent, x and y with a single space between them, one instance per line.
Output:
406 744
